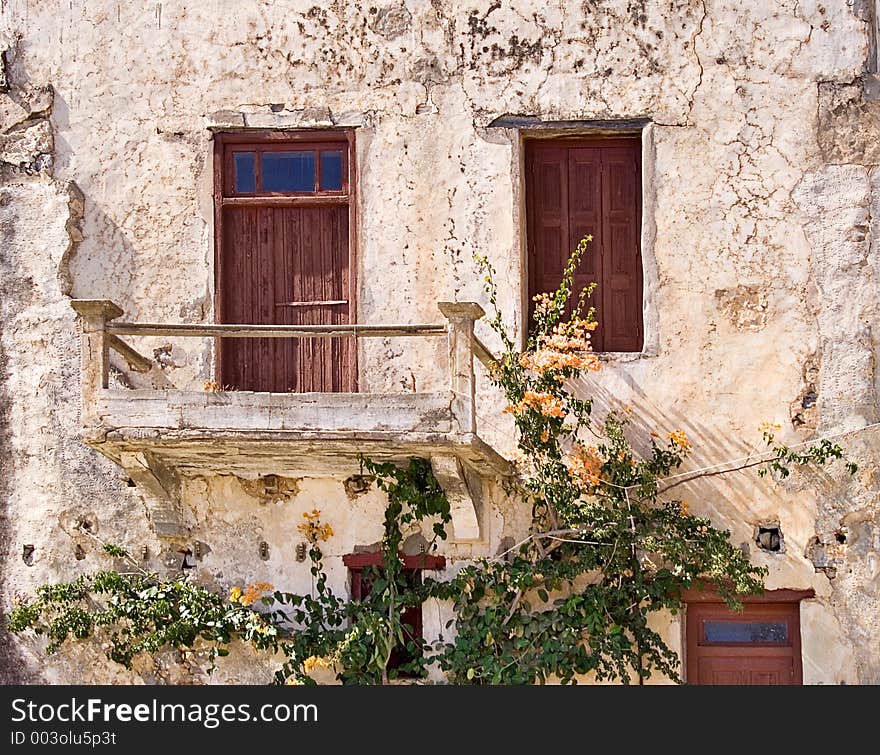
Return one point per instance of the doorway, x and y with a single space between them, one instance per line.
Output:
284 247
760 646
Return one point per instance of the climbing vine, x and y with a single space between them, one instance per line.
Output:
133 611
608 547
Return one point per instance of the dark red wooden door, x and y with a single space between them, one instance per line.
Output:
580 187
285 259
760 646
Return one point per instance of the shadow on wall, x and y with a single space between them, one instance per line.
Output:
737 501
144 243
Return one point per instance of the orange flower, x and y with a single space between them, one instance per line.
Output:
585 463
254 592
312 529
544 360
546 403
678 438
543 302
685 509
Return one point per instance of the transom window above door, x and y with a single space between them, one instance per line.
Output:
286 169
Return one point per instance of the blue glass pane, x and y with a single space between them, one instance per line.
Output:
775 632
331 171
245 182
288 171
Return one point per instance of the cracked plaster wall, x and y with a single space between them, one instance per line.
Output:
764 207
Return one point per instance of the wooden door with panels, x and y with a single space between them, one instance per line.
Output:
589 186
284 256
760 646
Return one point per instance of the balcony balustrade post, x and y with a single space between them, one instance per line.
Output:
461 316
94 350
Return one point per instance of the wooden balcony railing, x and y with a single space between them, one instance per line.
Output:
160 434
101 333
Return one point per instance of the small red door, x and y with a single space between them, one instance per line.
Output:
760 646
284 258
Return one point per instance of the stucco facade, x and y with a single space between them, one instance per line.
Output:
760 132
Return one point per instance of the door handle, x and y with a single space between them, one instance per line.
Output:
328 303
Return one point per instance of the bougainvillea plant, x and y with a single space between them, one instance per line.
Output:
609 546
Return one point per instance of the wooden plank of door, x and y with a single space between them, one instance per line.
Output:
622 266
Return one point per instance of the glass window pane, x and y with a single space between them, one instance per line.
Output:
245 182
331 171
288 171
775 632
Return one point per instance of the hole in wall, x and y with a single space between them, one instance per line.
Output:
79 552
27 554
188 560
840 537
357 484
769 538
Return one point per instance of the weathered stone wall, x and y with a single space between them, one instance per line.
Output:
760 242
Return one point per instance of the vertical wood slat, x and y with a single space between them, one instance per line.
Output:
585 219
622 277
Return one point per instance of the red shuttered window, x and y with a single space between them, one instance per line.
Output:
361 573
580 187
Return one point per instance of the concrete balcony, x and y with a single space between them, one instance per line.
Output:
160 435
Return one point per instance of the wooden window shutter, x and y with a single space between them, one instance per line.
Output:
621 283
576 188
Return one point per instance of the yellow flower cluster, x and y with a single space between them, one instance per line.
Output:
585 463
316 661
769 427
312 529
546 403
251 595
684 508
679 439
